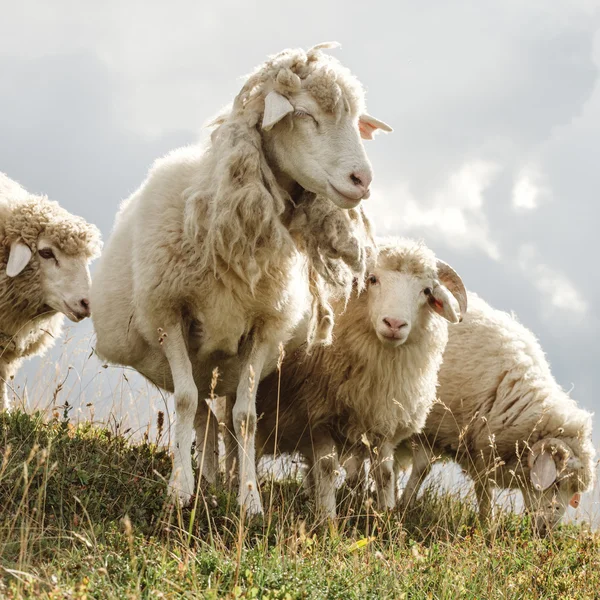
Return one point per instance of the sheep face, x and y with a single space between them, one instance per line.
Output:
65 280
406 287
397 302
547 507
322 151
553 483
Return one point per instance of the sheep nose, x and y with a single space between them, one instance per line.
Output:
394 324
362 180
84 305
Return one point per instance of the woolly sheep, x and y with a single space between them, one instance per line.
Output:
505 420
207 263
375 384
44 253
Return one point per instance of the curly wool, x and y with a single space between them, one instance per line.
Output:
241 221
337 248
293 70
339 243
27 326
37 216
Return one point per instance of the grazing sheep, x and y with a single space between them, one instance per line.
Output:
375 384
209 264
505 420
44 253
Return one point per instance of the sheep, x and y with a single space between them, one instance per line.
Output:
208 264
503 417
44 254
375 384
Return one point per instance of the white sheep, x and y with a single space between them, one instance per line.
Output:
505 420
44 256
206 265
375 384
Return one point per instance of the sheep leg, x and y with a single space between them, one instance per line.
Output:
230 442
422 462
244 423
308 481
3 396
385 479
186 404
355 471
324 469
4 378
484 492
207 442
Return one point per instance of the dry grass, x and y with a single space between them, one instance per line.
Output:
84 514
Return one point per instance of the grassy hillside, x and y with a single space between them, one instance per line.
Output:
83 514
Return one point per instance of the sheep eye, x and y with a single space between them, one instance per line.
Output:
372 279
427 291
46 253
302 114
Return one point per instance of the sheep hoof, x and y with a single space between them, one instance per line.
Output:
181 491
180 497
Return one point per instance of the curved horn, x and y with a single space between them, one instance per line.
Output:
451 279
324 46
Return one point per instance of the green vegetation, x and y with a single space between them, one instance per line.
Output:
84 514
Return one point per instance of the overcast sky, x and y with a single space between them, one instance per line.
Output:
494 161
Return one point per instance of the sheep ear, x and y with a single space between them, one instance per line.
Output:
368 125
18 258
543 473
442 302
277 106
451 279
575 500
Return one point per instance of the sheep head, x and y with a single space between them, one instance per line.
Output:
553 482
310 111
405 286
48 254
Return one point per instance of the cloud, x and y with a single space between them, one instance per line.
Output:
496 110
455 212
552 284
528 189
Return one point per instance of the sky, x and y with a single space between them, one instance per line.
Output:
494 160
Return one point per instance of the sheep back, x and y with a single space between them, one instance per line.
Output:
499 397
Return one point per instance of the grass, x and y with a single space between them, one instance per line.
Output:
84 514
